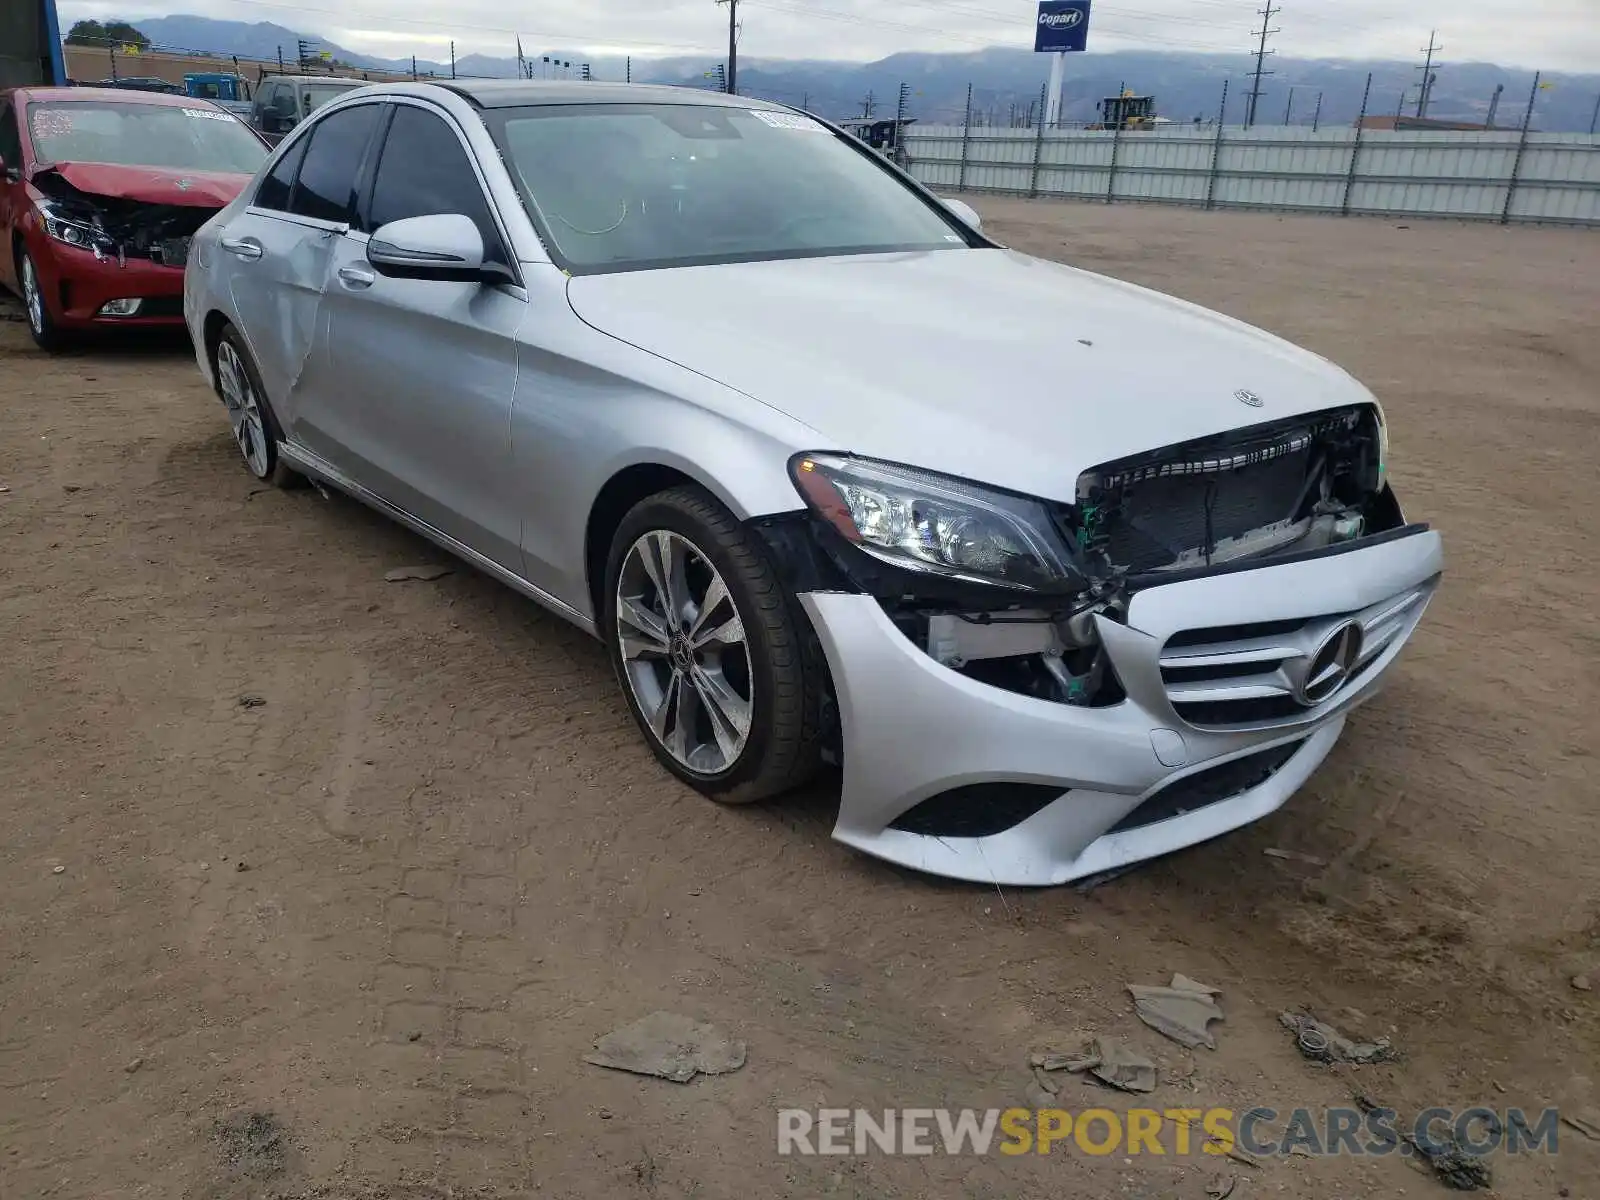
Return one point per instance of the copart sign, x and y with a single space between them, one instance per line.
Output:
1063 26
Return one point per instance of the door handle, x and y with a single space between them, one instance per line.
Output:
245 247
357 277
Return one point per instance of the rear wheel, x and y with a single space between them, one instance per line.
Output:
255 428
710 650
41 325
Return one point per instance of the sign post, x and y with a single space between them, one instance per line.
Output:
1063 28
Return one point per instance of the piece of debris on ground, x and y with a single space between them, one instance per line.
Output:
1455 1168
669 1046
1107 1059
1586 1123
1295 856
422 574
1181 1011
252 1144
1321 1042
251 701
1222 1187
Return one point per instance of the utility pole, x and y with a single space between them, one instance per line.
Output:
452 59
866 106
733 45
629 76
1316 117
1289 107
1427 74
1594 121
1263 34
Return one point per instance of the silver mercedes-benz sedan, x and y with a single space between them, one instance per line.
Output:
1061 572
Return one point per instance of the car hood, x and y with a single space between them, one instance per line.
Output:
987 364
149 185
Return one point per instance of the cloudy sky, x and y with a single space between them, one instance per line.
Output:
1550 34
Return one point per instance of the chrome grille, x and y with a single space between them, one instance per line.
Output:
1280 672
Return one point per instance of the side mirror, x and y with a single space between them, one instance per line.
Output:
963 211
9 173
445 246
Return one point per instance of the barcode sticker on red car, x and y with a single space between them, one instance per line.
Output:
208 114
782 120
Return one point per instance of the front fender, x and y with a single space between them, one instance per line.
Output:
589 407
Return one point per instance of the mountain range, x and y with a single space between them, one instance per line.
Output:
1005 81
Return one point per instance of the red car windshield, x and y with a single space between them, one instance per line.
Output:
143 135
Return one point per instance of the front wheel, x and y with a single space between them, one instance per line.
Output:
41 325
710 649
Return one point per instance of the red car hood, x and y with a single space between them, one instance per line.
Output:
152 185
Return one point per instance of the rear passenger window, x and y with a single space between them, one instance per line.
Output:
425 171
274 190
327 183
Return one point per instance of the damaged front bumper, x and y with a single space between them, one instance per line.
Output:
80 284
1237 684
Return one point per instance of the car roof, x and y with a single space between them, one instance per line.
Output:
119 95
520 93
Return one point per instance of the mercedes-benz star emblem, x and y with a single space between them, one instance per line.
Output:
1330 665
1245 396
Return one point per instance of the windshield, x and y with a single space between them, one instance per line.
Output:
315 95
629 187
144 135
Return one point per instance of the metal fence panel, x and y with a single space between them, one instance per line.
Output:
1432 173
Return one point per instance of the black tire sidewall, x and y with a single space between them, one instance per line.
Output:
668 512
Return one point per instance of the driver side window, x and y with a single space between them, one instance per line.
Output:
424 171
10 137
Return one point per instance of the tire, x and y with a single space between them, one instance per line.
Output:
256 431
46 334
774 667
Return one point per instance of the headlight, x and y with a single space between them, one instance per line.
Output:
926 522
71 228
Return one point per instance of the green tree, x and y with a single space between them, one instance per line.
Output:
111 33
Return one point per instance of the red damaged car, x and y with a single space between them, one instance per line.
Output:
100 192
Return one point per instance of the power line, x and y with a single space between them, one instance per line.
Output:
1266 31
1427 74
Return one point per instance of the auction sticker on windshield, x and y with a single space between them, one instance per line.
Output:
208 114
782 120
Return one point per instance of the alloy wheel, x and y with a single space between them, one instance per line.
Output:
32 296
244 410
684 652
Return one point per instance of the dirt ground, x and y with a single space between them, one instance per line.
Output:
321 886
